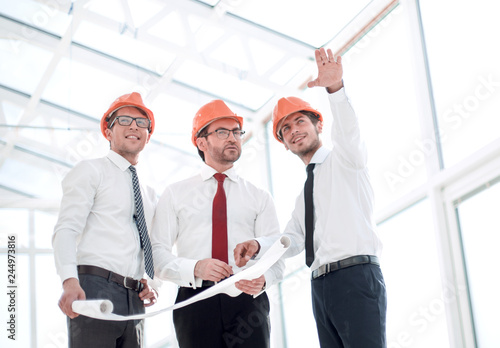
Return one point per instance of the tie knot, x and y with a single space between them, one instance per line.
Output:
310 167
132 169
220 177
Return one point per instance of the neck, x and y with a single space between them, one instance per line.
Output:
220 167
133 158
307 156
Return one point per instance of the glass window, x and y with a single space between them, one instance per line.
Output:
22 302
299 323
389 120
53 332
416 305
14 222
463 58
44 228
480 232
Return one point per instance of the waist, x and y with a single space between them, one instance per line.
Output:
126 282
348 262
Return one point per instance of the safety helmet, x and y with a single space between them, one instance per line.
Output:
286 107
210 112
133 99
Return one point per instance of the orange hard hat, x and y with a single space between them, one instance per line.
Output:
210 112
288 106
133 99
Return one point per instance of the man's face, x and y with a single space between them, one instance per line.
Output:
221 151
300 135
128 140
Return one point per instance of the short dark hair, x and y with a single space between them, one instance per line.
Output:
201 134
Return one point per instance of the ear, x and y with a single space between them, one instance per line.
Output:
149 137
319 127
108 133
201 143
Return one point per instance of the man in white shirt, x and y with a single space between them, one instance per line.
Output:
342 247
98 246
184 219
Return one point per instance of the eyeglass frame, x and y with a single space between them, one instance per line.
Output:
229 131
132 120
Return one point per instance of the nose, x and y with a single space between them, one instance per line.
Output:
232 136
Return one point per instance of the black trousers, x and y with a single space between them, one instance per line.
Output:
84 332
350 307
222 321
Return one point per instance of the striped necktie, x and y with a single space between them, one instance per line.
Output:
140 221
309 215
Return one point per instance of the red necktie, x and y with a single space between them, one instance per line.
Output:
219 221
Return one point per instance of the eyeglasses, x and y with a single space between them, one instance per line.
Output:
223 133
141 122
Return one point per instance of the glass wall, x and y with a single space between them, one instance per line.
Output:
480 233
463 54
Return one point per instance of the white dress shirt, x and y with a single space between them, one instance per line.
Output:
96 225
184 219
343 196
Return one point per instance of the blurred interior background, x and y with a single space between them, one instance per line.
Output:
423 77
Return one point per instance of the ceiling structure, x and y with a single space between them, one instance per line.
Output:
62 63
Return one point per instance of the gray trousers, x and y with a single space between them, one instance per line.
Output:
84 332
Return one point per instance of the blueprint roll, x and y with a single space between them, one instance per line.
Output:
96 307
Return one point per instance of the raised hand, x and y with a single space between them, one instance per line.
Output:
329 71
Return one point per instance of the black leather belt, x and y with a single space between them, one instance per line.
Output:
126 282
350 261
207 283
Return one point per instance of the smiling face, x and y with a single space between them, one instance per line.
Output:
300 135
220 153
128 141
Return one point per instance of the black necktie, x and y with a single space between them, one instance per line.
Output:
140 221
309 221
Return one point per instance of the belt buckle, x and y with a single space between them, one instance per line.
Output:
125 283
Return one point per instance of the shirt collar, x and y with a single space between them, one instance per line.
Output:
118 160
207 172
320 155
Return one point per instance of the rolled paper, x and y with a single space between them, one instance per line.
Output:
100 309
93 307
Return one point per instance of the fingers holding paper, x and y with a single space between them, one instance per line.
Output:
251 287
212 269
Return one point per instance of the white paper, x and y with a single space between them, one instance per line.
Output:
99 309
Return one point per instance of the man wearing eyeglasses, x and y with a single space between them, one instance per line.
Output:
190 216
101 242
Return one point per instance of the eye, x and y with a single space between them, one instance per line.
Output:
285 129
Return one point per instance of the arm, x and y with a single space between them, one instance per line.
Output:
182 271
348 145
266 226
79 187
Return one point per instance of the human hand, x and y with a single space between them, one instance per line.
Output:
148 295
243 252
251 287
72 291
329 71
212 269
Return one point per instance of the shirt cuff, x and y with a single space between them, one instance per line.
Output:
186 270
67 272
338 96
